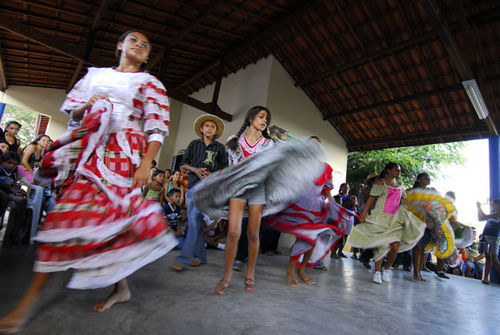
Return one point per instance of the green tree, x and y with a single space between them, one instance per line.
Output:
26 118
413 160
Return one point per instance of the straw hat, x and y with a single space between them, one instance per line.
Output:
207 117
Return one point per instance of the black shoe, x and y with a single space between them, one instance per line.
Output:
366 263
441 274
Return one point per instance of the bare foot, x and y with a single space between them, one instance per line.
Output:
306 279
419 278
292 280
119 295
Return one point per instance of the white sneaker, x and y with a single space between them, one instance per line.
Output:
386 275
377 277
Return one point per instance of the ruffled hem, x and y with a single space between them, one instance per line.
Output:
285 170
105 269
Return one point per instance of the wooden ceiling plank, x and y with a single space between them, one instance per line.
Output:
89 42
427 67
3 75
172 42
26 31
447 89
55 8
251 41
365 59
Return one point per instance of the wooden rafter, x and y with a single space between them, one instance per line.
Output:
3 76
172 42
367 58
26 31
89 42
251 41
447 89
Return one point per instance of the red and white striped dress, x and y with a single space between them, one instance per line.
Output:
317 224
100 226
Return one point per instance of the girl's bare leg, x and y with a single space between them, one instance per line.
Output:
392 255
290 275
254 216
487 268
236 208
14 321
120 294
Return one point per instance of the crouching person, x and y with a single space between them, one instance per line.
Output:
11 193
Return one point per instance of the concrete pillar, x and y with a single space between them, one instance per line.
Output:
494 146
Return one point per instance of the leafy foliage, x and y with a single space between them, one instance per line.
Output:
413 160
26 118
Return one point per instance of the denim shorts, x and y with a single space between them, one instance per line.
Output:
255 196
491 244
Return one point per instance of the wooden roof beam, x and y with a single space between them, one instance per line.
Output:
370 57
172 42
447 89
253 40
89 42
26 31
3 75
453 50
464 131
206 107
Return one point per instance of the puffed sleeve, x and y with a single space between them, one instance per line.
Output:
156 109
377 190
77 97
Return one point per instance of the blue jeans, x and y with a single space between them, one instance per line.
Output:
194 244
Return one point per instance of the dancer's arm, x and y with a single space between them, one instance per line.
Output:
368 206
141 175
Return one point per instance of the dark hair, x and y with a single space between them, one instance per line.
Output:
340 187
38 138
169 171
417 181
314 137
12 122
157 172
389 166
118 53
252 112
173 191
153 162
9 155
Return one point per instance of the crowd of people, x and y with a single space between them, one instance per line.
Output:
116 211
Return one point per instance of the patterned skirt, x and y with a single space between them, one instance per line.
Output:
317 225
285 171
100 226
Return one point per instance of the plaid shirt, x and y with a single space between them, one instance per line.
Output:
212 157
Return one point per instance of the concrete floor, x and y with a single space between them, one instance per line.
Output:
344 301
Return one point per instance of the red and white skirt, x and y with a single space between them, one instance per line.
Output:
100 226
318 225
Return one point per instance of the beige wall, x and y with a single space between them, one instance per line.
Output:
39 100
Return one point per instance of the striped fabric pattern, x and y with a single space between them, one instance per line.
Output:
100 226
317 224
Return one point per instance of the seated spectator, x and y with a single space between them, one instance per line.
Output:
11 193
171 209
154 189
32 154
215 232
182 227
4 146
474 262
11 130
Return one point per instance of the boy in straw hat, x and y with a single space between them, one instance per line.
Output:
202 157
